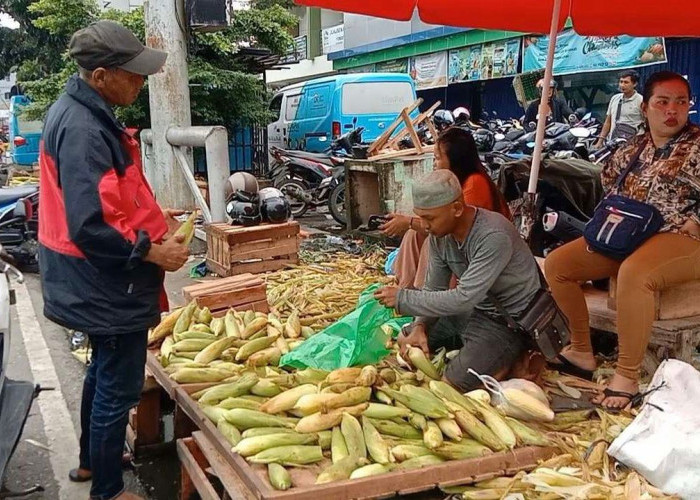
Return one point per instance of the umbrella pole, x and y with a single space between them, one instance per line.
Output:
529 208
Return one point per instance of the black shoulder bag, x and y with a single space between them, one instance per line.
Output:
542 321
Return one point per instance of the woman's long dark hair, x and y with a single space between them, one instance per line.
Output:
460 148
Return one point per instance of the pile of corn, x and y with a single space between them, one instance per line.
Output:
323 293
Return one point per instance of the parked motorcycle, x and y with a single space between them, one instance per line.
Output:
16 396
19 224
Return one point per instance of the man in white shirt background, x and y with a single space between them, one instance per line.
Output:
624 118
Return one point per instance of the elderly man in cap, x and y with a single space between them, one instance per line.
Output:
104 241
484 250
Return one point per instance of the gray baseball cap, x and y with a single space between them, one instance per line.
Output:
108 44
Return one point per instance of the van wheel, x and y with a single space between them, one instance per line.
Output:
336 205
293 190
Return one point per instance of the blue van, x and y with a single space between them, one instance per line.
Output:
25 135
309 115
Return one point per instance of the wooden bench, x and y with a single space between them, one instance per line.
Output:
680 301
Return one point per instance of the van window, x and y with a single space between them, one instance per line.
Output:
317 101
364 98
276 106
293 101
29 126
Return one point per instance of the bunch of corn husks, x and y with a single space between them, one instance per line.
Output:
199 348
323 293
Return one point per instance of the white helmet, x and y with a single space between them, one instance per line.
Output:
241 182
461 115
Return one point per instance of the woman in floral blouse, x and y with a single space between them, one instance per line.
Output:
667 176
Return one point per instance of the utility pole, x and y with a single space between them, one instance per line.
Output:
166 29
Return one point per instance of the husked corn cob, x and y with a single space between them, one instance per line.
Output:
523 406
213 350
340 470
289 455
432 436
450 428
326 402
403 452
382 411
390 428
254 445
479 395
343 376
245 419
279 477
293 326
186 229
232 435
377 448
265 357
337 388
324 421
287 399
527 435
312 403
230 390
421 362
476 428
371 470
339 449
354 438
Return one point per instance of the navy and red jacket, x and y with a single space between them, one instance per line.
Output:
97 219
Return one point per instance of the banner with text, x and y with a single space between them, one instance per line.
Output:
485 61
429 71
394 66
575 53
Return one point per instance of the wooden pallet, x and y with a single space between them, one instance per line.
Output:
386 147
251 480
241 292
233 250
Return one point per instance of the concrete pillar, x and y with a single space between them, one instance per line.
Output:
169 100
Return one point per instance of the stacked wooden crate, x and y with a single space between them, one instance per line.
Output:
241 292
233 250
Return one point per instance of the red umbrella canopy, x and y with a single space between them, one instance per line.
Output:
590 17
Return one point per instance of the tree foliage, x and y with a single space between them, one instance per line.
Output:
223 90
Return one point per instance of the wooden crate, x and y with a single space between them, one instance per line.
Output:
251 480
233 250
241 292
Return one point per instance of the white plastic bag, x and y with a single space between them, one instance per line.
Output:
663 442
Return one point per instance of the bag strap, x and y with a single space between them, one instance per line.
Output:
632 164
619 110
502 310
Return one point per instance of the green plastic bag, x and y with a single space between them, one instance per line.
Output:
356 339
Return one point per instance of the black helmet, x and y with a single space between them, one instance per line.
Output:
244 213
242 185
484 139
443 119
274 206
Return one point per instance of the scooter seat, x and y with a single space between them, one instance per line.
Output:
12 194
319 157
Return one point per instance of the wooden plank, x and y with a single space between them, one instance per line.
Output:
253 267
238 234
217 284
386 135
281 248
395 154
148 419
230 481
262 244
194 472
412 132
393 143
260 306
231 298
159 374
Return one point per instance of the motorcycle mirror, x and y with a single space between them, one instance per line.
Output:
354 122
580 132
573 118
531 144
20 211
532 125
499 137
588 116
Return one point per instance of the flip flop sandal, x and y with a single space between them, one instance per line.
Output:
566 366
634 399
76 477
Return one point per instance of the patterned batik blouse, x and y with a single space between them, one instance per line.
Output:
667 178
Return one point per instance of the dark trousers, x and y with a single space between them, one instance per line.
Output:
112 387
485 345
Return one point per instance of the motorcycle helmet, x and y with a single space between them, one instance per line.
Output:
552 84
443 119
244 213
274 206
461 115
484 139
241 185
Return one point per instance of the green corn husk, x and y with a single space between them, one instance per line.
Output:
339 449
265 388
445 391
403 452
371 470
385 412
418 402
213 413
527 435
405 431
232 435
418 421
340 470
232 390
376 446
185 318
467 448
246 419
279 477
289 455
432 436
420 462
477 429
254 445
264 431
354 438
325 439
231 403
